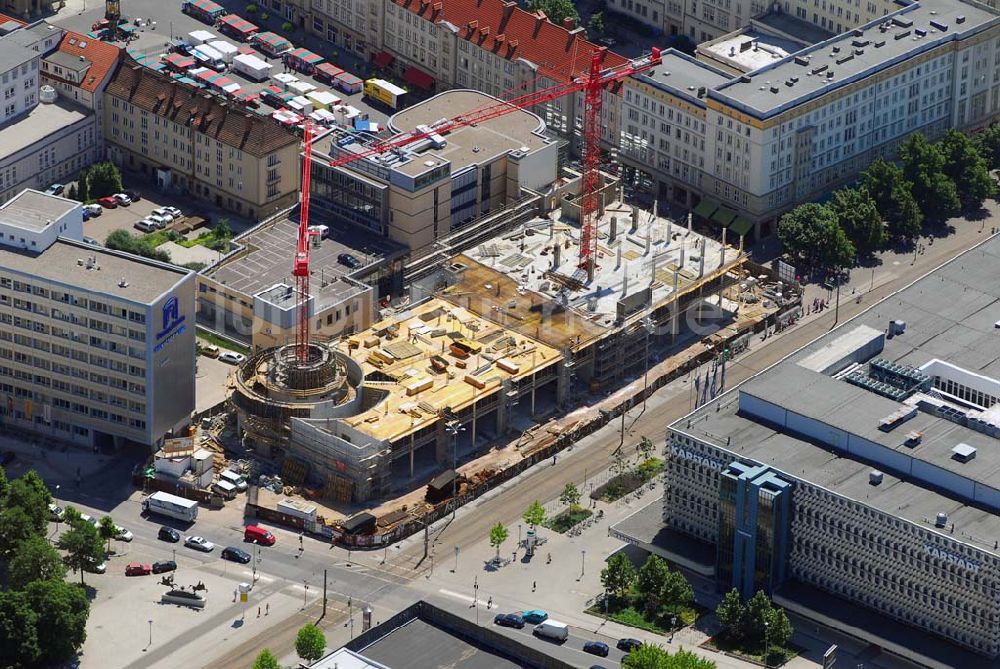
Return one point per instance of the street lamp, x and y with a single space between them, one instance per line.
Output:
150 632
305 593
453 428
583 561
766 647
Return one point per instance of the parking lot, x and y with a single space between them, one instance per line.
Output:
170 22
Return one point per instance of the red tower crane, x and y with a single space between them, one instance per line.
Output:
300 269
593 84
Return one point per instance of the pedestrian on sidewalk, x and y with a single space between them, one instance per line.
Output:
258 612
489 603
534 584
267 608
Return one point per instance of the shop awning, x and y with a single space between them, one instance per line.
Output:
706 208
740 226
418 78
383 59
724 216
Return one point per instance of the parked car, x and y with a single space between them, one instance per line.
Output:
108 202
628 644
232 357
55 189
596 648
91 241
94 209
122 199
86 214
121 534
164 566
145 226
138 569
87 518
321 231
535 616
508 620
234 554
256 534
164 214
95 567
134 195
199 544
168 534
210 351
173 211
159 221
348 260
56 513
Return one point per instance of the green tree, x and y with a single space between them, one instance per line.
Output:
104 179
811 233
660 587
923 167
122 240
893 197
595 26
859 217
108 530
645 448
498 535
16 527
534 515
556 10
82 543
4 487
71 192
18 630
967 168
988 143
28 492
570 495
652 656
731 614
266 660
618 575
83 186
222 229
62 609
310 644
34 560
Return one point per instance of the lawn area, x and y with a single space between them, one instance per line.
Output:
564 520
225 344
207 239
624 611
777 655
623 484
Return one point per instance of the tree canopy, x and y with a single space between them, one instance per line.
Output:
104 179
498 535
534 515
570 495
310 644
652 656
266 660
754 624
62 609
812 233
988 143
618 575
859 217
122 240
967 169
83 546
661 587
893 197
34 560
923 167
556 10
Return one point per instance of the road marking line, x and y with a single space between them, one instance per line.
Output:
457 595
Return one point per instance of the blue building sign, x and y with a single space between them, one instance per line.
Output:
172 323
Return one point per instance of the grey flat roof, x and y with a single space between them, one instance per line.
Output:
147 280
67 60
949 315
272 249
420 645
33 210
682 75
899 42
13 50
470 145
36 125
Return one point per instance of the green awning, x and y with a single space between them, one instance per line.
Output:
724 216
705 208
740 226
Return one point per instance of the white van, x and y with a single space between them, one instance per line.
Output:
224 488
552 629
234 478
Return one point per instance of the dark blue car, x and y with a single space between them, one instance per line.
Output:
509 620
596 648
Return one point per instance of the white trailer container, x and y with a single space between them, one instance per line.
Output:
252 67
165 504
209 57
323 99
197 37
283 79
300 105
301 87
227 50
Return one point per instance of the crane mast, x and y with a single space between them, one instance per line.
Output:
300 269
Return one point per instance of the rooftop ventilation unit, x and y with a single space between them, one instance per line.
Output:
937 25
963 452
941 520
875 477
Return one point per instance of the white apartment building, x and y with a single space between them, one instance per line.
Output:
808 122
97 347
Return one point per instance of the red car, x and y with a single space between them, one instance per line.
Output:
138 569
108 202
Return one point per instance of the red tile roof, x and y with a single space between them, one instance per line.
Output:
4 19
102 56
500 26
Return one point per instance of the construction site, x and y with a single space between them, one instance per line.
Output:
475 373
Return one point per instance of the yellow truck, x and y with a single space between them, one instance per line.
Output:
380 90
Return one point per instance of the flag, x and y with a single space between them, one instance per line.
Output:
697 391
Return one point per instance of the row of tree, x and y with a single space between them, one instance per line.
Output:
756 625
659 589
43 618
890 202
651 656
